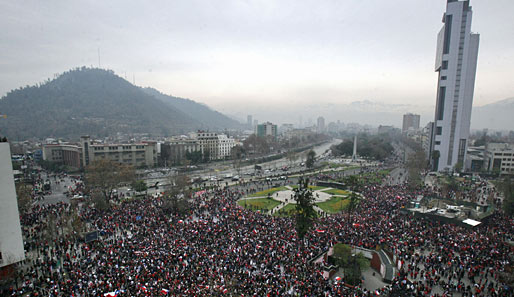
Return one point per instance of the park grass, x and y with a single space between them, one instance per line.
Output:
287 211
337 192
268 191
335 205
259 204
314 188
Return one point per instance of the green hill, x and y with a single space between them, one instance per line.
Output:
91 101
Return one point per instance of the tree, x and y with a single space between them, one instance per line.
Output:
435 159
140 186
352 265
104 176
23 192
237 154
305 213
507 187
354 199
353 183
292 157
194 157
206 156
176 198
311 157
416 163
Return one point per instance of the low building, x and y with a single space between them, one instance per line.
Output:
475 159
65 154
82 154
386 130
142 154
499 158
11 241
174 152
266 129
216 146
225 145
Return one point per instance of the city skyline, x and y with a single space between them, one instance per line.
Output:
224 53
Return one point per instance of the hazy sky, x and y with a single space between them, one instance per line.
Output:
223 52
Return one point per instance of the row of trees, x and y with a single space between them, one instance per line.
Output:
377 147
103 177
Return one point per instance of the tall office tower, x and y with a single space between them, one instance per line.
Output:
249 121
11 241
321 125
410 122
456 63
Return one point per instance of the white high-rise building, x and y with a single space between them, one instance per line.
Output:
456 63
11 241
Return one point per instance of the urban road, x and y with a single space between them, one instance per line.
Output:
270 169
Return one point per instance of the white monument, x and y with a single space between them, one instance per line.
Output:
354 156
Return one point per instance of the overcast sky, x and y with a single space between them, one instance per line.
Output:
224 52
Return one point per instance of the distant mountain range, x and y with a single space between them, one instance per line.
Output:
99 103
496 116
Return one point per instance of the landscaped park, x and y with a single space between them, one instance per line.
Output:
280 201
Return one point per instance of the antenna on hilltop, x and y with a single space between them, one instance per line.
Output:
99 58
134 79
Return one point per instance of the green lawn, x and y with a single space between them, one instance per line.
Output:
335 205
257 204
314 188
268 191
337 192
286 211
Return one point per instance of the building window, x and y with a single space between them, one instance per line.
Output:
440 103
447 33
443 77
445 65
439 130
437 142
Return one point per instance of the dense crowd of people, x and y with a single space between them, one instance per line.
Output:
221 249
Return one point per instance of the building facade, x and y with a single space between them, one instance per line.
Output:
410 122
11 241
135 154
321 125
65 154
249 121
456 62
174 152
499 158
216 146
266 129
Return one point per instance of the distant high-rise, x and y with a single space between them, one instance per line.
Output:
321 125
456 62
266 129
249 121
410 122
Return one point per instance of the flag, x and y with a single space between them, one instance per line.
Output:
320 230
164 291
113 294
